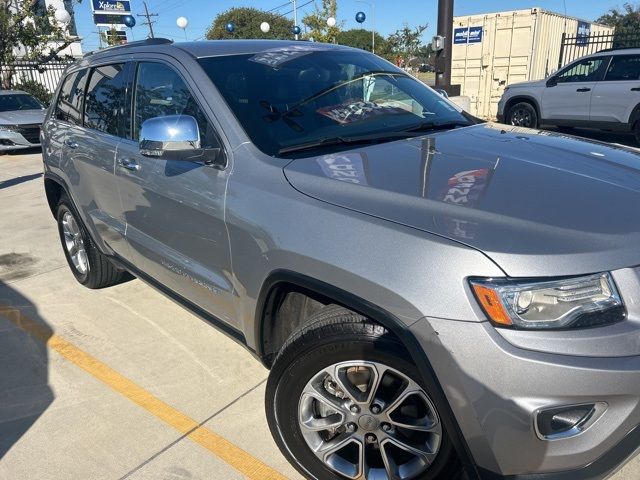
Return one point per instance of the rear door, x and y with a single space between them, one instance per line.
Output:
90 154
570 98
174 209
615 97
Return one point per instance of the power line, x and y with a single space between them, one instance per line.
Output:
148 16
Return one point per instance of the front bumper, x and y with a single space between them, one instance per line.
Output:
495 388
15 140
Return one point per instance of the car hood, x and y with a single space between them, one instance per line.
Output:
535 83
537 203
22 117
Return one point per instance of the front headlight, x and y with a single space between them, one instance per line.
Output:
567 303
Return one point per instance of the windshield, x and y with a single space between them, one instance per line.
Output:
18 101
292 96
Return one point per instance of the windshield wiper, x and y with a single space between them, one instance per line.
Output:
430 126
328 141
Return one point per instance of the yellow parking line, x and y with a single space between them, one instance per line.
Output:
233 455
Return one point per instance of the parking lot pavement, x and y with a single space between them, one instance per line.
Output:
130 385
116 383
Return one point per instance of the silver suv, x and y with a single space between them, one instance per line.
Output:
435 297
597 91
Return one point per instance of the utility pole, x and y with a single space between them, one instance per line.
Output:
148 16
295 15
445 30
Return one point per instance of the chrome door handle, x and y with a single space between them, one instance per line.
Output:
129 164
583 90
71 144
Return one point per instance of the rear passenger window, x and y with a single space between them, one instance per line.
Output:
160 91
104 108
624 67
69 104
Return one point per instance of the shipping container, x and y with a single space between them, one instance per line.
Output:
493 50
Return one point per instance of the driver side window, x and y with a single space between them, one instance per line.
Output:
160 91
583 71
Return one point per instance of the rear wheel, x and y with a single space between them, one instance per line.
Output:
636 131
344 400
90 267
523 114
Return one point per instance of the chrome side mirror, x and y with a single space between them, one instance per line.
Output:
172 136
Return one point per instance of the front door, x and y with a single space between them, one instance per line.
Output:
570 97
174 209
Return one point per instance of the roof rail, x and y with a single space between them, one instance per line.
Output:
617 48
137 43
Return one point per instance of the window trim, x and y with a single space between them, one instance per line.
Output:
92 68
84 92
613 57
606 60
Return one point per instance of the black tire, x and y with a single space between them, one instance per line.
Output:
333 335
522 114
101 272
636 132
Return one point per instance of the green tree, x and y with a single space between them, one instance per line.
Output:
316 23
28 30
407 41
361 38
247 24
626 21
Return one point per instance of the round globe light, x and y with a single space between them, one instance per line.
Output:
296 30
182 22
360 17
265 27
230 27
331 22
129 21
62 16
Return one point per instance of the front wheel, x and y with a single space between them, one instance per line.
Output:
345 401
523 114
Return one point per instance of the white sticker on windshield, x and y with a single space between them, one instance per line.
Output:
275 57
358 110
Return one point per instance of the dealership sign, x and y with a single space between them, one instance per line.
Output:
109 13
467 35
583 33
122 7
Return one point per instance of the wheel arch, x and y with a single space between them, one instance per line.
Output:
522 98
281 282
635 116
54 188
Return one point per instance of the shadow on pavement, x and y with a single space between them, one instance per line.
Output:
24 367
18 180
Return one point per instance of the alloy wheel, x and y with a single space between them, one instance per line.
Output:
74 244
521 117
366 420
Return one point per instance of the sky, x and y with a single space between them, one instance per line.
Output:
390 14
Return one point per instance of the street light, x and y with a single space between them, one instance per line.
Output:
265 27
372 5
331 22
